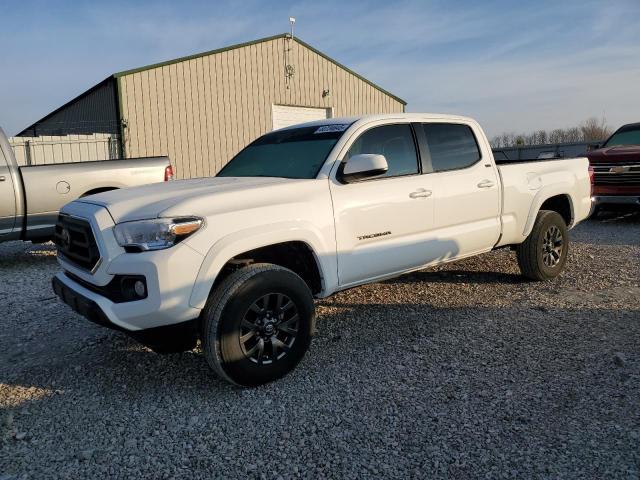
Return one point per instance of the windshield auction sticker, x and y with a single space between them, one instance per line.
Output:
338 127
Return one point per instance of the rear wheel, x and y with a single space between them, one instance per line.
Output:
258 324
543 254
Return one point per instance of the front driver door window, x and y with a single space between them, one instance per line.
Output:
395 142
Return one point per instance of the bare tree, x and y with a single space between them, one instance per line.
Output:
594 130
591 130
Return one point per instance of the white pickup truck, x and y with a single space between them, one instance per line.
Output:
304 212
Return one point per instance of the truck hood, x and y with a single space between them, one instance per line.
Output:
621 153
200 197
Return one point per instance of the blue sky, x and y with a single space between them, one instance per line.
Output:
513 65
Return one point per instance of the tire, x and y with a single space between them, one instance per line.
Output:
261 304
543 254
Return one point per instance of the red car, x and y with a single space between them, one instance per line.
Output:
616 169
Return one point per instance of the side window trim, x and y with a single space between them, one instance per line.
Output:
426 166
416 147
428 150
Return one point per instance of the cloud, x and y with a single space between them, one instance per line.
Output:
513 65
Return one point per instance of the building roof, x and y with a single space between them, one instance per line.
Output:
212 52
246 44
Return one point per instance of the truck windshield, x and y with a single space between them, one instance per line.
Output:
291 153
628 135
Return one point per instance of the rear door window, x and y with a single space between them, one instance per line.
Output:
451 146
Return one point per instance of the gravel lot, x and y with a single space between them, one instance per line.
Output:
460 371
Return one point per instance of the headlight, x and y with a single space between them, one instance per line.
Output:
155 234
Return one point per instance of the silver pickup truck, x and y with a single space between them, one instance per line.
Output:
30 197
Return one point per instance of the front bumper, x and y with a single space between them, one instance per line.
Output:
172 338
170 278
81 304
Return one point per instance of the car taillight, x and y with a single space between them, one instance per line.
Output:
168 173
591 178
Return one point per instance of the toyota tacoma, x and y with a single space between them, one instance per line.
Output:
301 213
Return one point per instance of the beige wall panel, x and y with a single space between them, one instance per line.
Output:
224 107
183 135
131 130
196 116
146 113
155 114
230 104
121 86
209 162
175 132
245 98
191 121
188 136
161 77
218 127
236 110
203 107
261 86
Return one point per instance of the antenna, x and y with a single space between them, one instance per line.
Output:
292 22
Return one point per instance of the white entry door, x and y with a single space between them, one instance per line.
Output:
286 115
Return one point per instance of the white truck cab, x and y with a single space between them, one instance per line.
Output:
304 212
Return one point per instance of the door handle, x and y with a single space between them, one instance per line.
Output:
420 193
2 179
486 184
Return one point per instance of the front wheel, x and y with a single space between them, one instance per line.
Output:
257 324
543 254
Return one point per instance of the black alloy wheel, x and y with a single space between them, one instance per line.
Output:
269 328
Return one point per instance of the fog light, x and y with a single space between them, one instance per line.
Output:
139 288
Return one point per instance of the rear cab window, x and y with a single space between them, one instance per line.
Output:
449 146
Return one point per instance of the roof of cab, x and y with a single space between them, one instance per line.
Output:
417 117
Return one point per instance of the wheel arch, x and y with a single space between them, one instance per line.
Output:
554 198
560 204
309 258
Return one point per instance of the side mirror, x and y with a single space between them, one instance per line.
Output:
364 165
593 146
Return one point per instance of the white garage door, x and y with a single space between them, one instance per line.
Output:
284 115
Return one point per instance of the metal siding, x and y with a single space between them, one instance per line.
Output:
208 131
217 127
210 107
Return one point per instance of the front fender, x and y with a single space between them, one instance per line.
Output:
256 237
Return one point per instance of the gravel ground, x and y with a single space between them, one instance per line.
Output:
460 371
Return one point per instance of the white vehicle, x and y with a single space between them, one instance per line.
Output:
304 212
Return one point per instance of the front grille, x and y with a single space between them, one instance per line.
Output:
76 243
627 173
